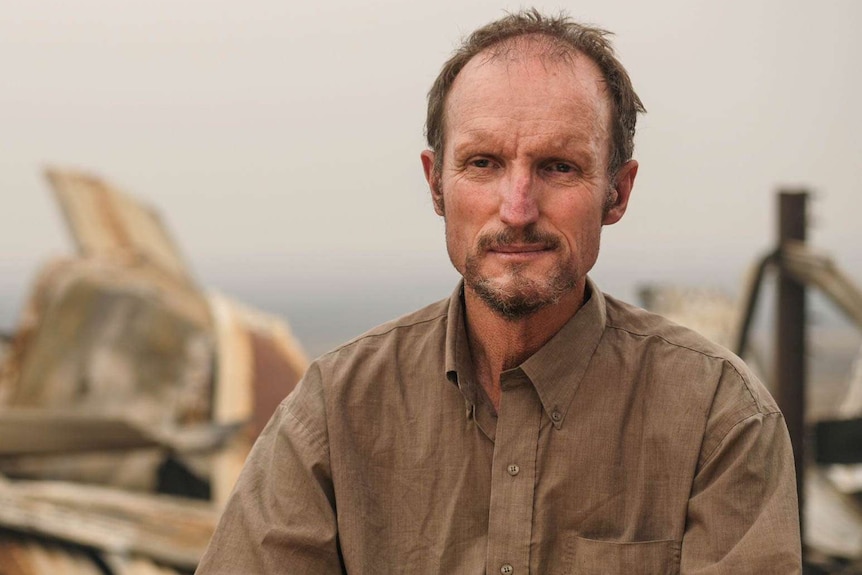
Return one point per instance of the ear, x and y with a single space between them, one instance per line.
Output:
433 179
623 184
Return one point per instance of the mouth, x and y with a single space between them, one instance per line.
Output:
519 248
520 251
510 246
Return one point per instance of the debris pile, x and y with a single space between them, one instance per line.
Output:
129 398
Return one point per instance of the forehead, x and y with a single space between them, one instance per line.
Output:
533 84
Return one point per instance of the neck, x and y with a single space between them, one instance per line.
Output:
498 343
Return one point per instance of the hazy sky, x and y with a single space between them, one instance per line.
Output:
281 139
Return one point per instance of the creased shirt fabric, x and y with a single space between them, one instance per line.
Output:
626 445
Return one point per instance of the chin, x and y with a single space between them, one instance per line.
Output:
519 296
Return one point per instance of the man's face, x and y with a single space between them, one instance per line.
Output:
523 185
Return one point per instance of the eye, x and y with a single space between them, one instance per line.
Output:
560 167
481 163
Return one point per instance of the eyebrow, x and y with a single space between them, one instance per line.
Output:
483 138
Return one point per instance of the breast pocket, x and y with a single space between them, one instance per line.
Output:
591 557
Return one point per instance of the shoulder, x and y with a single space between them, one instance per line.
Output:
643 324
691 372
692 357
378 358
386 338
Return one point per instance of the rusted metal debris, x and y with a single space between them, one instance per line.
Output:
125 380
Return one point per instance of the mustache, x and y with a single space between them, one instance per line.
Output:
510 237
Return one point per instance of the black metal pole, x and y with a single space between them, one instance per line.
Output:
790 368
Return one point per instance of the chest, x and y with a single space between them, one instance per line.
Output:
605 488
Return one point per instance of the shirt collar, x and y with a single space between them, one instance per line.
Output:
555 370
457 347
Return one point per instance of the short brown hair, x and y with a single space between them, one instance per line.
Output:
564 32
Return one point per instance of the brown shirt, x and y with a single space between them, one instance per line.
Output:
625 445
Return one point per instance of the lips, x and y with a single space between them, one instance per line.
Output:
519 253
514 245
520 248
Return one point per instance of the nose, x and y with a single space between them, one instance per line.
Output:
518 200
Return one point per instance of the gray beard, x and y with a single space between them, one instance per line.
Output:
522 297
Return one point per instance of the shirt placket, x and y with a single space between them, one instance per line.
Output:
513 477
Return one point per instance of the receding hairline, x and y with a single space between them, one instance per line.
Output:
530 44
521 48
533 45
558 36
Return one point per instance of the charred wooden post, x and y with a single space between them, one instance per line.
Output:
790 356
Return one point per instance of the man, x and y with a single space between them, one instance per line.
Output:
529 423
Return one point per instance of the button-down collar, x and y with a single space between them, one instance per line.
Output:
555 370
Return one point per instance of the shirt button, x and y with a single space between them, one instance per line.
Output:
507 569
557 416
513 470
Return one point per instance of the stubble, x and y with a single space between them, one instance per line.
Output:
519 296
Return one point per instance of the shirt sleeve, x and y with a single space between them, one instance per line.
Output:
742 514
280 517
